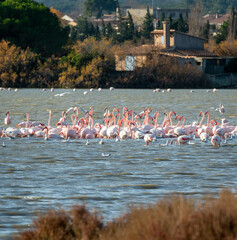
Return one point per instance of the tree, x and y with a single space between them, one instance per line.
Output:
82 28
96 7
147 25
131 27
109 31
97 33
194 21
181 24
205 30
232 31
88 65
222 34
162 17
27 23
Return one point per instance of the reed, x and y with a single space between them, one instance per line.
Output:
172 218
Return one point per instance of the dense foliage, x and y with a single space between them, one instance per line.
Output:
87 65
174 217
27 23
96 7
22 68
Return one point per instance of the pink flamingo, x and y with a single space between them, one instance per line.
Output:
204 136
184 139
7 119
207 128
200 128
168 116
216 140
148 138
51 135
178 131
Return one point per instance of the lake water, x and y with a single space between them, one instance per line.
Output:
36 175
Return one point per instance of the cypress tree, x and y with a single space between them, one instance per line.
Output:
97 33
131 28
147 25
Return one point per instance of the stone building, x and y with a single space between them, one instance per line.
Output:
185 48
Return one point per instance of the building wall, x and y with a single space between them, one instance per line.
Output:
184 41
120 63
159 40
129 62
140 61
223 80
138 15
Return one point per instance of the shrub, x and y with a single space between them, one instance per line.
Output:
163 72
16 65
87 65
79 223
225 48
171 218
178 218
22 68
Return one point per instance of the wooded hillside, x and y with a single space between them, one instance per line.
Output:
75 7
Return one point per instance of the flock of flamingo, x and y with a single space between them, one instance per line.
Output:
124 125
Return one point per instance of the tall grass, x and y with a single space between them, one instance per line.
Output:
172 218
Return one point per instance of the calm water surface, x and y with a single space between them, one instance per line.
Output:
36 175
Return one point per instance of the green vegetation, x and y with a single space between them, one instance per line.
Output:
30 24
96 7
210 6
170 218
147 25
66 6
87 65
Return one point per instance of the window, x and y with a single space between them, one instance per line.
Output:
162 40
130 62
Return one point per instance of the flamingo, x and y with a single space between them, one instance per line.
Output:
51 135
26 131
208 129
148 138
183 139
168 117
216 140
200 128
7 119
178 131
204 136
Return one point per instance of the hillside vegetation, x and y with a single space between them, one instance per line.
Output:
75 7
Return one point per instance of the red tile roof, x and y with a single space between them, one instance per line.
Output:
190 53
215 19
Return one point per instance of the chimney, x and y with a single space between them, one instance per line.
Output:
166 31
